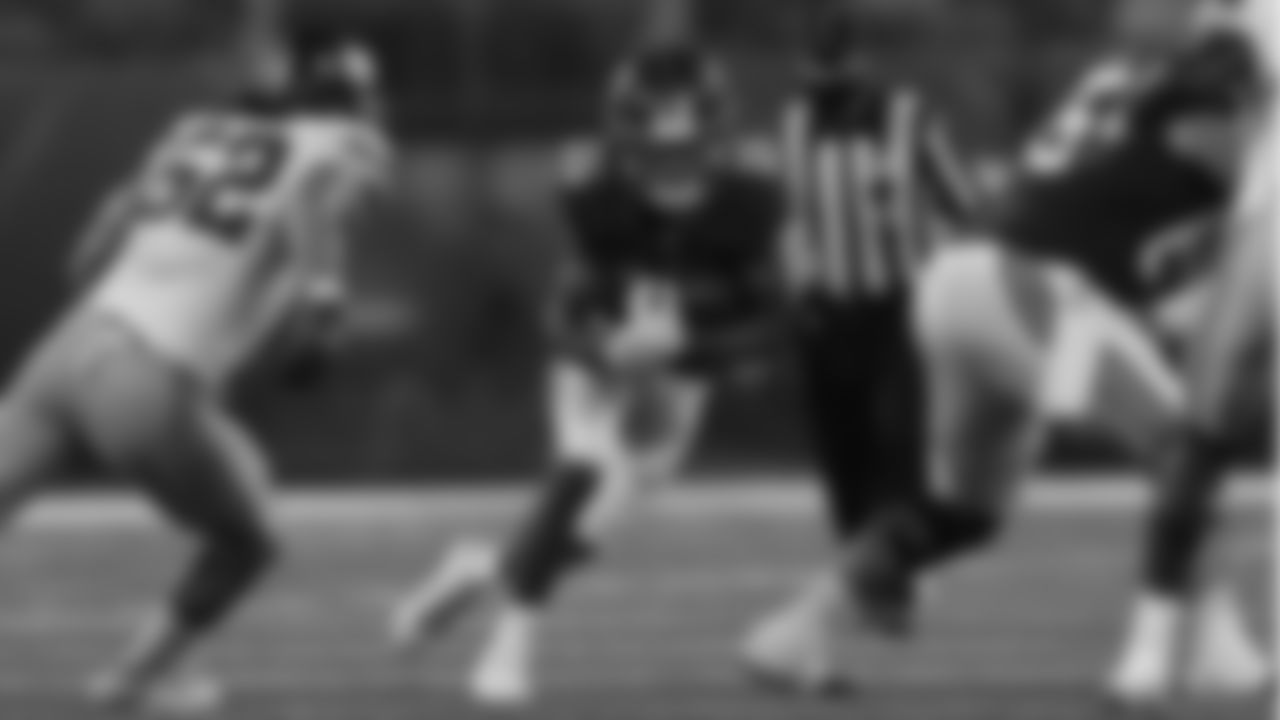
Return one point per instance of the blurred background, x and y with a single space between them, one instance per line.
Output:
483 94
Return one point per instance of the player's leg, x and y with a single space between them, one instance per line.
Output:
585 415
614 440
35 437
33 445
655 429
1189 472
834 381
983 431
143 417
869 434
1226 656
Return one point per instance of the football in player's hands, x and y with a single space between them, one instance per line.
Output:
651 332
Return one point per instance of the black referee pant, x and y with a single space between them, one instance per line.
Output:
864 391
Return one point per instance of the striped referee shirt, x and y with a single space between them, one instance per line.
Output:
872 180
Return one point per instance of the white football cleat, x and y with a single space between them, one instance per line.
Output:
503 675
467 572
1225 662
789 653
178 696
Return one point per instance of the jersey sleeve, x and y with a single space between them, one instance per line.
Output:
588 287
355 166
947 181
371 158
748 280
742 313
1092 115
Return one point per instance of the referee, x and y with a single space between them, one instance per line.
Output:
874 186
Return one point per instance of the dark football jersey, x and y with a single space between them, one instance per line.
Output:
1102 213
718 255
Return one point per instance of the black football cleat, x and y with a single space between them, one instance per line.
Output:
886 594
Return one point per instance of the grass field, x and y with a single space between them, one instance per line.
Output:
1022 634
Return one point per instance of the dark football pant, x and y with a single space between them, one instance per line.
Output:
864 395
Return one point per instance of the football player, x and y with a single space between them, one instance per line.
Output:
1175 616
1054 321
669 288
230 227
1093 115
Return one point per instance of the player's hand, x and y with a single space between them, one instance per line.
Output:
312 342
652 333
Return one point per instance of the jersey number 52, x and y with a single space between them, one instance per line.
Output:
215 177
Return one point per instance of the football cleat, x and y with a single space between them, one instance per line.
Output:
1225 662
503 676
887 594
178 696
789 654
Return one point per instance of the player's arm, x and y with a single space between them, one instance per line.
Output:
122 206
342 195
763 323
106 229
753 314
587 289
585 307
945 178
796 256
345 191
1091 116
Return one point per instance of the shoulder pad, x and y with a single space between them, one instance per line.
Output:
578 162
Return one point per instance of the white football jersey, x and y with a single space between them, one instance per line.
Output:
234 209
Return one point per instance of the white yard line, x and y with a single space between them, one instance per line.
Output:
751 496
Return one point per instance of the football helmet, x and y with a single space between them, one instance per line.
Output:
299 78
341 77
1220 73
667 115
